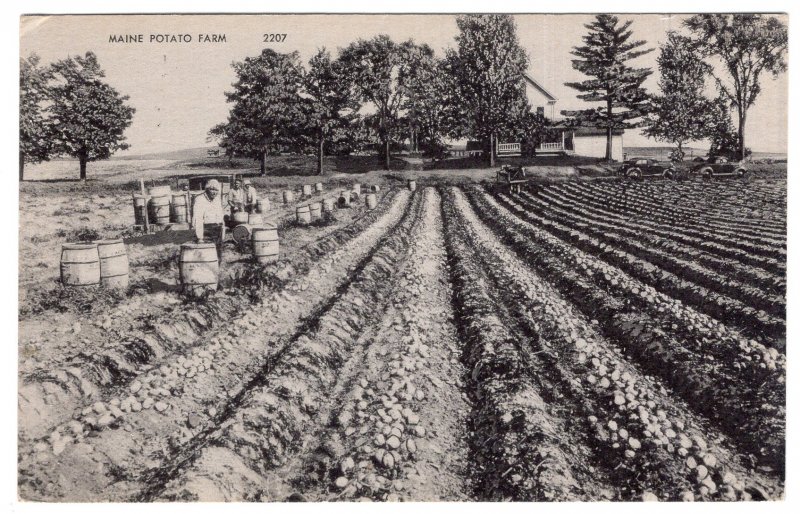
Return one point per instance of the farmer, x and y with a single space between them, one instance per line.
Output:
236 196
250 196
207 216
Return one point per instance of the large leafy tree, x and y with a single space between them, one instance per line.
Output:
331 105
428 107
89 117
746 45
682 112
377 69
488 68
35 138
614 84
268 111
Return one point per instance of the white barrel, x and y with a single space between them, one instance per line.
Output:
357 188
412 185
316 210
303 215
266 246
318 187
328 205
288 197
306 189
113 263
371 200
375 188
344 199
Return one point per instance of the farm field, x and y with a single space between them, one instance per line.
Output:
583 340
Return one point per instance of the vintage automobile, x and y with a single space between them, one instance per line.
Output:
639 168
719 167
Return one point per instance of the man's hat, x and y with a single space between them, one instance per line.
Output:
213 184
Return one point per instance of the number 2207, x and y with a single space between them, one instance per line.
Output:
274 38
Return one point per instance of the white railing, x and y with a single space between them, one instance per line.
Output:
509 147
551 146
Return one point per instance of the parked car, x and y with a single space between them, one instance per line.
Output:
639 168
719 167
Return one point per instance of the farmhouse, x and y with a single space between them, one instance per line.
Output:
582 141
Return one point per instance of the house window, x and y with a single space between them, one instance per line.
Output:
540 111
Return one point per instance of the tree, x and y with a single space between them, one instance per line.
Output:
607 47
89 117
377 68
331 103
747 46
720 131
428 106
35 141
488 68
268 111
682 112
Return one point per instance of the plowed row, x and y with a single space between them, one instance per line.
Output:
457 343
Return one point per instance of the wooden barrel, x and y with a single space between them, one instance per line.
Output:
159 210
239 218
199 268
179 212
316 210
344 199
371 200
328 205
255 219
375 188
265 244
412 185
80 264
113 263
241 233
159 191
262 205
303 215
318 187
288 197
139 208
306 189
357 188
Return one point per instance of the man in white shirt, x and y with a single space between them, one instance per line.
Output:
250 196
236 196
207 215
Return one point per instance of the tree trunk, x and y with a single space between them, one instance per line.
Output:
386 155
21 166
742 120
263 162
82 160
320 153
491 150
608 130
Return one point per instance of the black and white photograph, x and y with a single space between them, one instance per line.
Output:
467 257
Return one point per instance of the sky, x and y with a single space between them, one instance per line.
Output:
178 88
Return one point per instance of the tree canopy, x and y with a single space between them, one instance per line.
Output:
35 137
88 116
488 68
617 86
746 45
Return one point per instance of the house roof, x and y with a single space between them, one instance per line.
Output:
533 82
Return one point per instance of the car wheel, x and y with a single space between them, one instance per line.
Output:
669 174
707 173
742 174
635 174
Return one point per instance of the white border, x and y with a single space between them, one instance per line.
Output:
9 213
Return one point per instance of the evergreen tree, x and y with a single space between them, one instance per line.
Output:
89 117
747 46
35 137
331 102
607 47
487 69
682 112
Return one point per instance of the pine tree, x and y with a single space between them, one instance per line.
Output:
89 117
488 69
746 45
682 112
607 47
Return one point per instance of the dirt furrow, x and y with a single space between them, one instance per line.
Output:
171 403
268 426
650 443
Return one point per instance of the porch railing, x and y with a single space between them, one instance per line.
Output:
509 148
